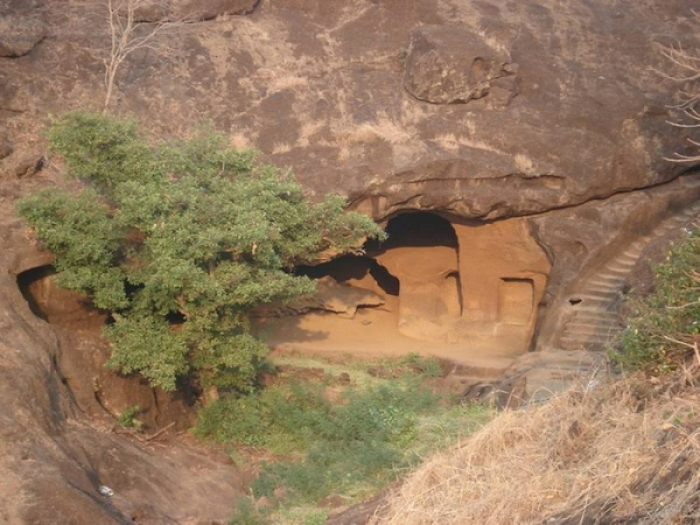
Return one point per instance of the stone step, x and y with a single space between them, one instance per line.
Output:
602 288
590 294
586 339
595 320
587 323
607 280
602 285
629 253
593 337
593 309
589 328
639 245
594 317
621 265
600 302
612 269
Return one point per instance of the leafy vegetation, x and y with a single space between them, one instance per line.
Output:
664 326
129 420
180 241
347 442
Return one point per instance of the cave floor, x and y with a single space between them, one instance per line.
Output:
373 333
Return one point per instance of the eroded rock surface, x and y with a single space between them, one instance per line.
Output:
320 87
19 35
448 65
538 129
154 11
53 458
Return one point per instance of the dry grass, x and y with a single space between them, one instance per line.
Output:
626 452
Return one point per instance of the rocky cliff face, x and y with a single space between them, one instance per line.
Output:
542 119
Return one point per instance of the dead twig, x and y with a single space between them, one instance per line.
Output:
159 433
126 37
143 439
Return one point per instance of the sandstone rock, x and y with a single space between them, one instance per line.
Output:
155 11
589 119
57 458
319 86
19 35
6 147
331 296
26 164
447 65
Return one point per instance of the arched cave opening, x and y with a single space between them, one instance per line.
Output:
416 229
27 282
422 251
57 305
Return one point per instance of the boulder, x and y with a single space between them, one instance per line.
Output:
20 34
448 65
331 296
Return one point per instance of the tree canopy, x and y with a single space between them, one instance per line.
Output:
179 241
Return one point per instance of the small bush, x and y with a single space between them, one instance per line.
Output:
129 420
428 366
245 513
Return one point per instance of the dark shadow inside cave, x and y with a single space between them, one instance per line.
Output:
421 249
26 283
354 269
419 229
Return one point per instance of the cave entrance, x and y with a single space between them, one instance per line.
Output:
419 229
57 305
452 288
422 251
414 277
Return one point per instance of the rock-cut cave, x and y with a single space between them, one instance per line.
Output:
450 288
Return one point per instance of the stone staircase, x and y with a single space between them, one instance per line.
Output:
593 319
461 378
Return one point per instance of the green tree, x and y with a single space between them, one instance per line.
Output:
180 241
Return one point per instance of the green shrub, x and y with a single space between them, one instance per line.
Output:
662 327
179 242
426 366
245 513
128 418
357 442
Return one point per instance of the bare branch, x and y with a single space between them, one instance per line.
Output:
687 66
123 26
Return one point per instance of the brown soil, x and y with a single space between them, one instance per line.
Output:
373 333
